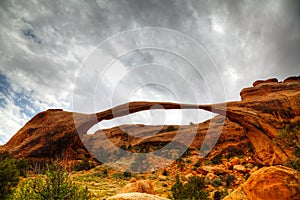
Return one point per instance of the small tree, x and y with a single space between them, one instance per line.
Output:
9 177
83 165
193 189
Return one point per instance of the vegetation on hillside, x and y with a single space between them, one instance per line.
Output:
9 177
54 184
193 189
288 138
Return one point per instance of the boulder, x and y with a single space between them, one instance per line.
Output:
142 186
240 168
275 182
219 169
132 180
162 178
235 161
269 183
237 194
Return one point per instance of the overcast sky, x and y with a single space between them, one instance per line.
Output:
87 56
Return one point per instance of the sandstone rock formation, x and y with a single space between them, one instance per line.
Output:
269 183
142 186
237 194
271 80
256 120
49 135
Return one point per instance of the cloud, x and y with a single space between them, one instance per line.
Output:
43 46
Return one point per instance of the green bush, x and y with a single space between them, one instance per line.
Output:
83 165
54 185
198 164
188 161
120 175
192 190
127 174
218 195
23 166
288 138
294 163
232 151
9 177
229 180
247 176
217 159
217 183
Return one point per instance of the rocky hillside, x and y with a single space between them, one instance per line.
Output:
255 121
250 139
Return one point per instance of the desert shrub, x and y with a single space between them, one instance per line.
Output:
101 174
105 172
216 159
232 151
187 153
165 173
9 177
250 148
198 164
181 166
127 174
179 160
229 180
288 138
123 176
83 165
217 183
293 163
4 155
23 166
297 151
207 162
247 176
193 189
55 184
218 195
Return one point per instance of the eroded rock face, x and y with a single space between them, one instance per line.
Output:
271 80
292 79
275 182
49 135
263 111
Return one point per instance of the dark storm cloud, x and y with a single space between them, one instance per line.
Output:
43 44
